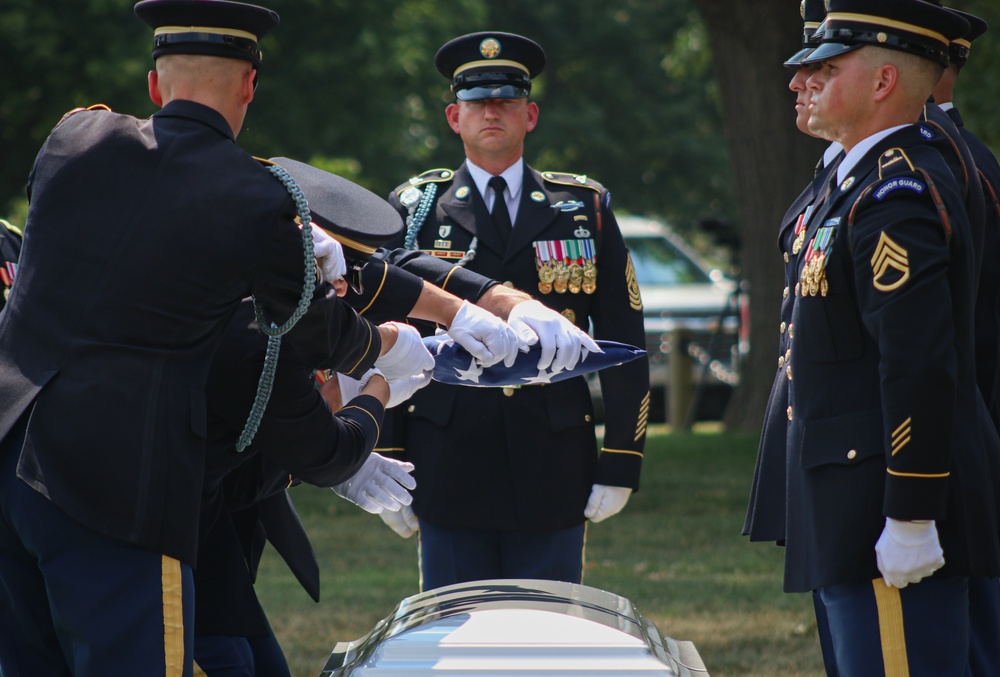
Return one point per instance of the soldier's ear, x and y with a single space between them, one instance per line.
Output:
153 81
452 113
532 115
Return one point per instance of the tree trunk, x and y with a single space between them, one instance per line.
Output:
771 160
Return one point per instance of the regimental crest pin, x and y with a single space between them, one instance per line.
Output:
848 182
444 231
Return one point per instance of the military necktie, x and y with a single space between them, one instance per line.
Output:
501 217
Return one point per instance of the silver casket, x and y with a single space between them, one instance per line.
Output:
507 627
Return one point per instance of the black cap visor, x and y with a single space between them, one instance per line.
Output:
828 50
795 61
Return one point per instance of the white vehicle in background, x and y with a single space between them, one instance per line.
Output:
680 291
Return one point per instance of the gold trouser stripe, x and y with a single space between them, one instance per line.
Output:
420 559
583 553
173 616
890 624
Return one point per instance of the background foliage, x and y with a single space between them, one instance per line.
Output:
635 94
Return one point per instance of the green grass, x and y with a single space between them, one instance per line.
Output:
675 551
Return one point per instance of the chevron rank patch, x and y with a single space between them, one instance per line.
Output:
634 299
890 265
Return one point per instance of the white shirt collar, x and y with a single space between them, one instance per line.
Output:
858 152
947 105
831 153
513 175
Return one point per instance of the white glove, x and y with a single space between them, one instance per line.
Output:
349 387
563 343
329 255
380 484
407 357
605 501
402 521
908 552
488 338
402 389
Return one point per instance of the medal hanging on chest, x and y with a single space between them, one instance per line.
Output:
813 276
543 263
589 267
800 230
561 283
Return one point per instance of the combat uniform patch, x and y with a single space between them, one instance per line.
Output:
890 265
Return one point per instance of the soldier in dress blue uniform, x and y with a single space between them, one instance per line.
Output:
987 329
10 249
507 477
765 519
891 514
142 237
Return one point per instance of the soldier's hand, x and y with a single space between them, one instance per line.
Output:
563 343
380 484
908 552
605 501
329 255
402 389
407 356
402 521
487 338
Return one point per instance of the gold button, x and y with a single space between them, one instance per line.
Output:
781 361
786 257
852 454
508 391
791 331
782 328
788 372
588 418
412 408
788 355
789 412
784 293
798 288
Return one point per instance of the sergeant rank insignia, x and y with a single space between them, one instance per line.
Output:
566 265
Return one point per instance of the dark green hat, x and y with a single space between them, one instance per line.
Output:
209 27
813 12
356 217
912 26
490 65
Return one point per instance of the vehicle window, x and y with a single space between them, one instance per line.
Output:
658 261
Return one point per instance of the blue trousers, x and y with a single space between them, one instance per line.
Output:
75 602
449 555
940 626
224 656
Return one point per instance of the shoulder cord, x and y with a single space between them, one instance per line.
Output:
416 218
271 330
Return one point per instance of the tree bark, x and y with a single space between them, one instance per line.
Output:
771 161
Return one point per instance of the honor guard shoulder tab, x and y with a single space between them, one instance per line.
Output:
898 177
567 179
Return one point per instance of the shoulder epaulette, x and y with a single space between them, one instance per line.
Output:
11 227
96 106
567 179
430 176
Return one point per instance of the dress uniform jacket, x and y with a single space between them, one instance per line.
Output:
298 437
525 459
142 237
884 415
988 297
765 519
10 249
